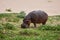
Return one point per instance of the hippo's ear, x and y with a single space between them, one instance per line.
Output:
28 21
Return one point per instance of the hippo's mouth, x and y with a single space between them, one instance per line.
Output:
24 26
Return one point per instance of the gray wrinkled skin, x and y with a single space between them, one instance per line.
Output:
35 17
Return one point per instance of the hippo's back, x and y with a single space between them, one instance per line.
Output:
38 16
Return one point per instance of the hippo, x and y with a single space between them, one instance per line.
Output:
35 17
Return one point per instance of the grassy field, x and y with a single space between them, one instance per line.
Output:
10 28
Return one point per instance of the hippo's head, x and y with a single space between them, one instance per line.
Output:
25 24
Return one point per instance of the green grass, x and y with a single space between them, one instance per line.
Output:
10 28
49 27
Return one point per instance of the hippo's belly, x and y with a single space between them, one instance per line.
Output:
37 20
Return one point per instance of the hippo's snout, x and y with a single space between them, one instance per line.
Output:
24 26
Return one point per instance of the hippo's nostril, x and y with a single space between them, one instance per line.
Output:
24 26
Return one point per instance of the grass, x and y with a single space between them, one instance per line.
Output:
49 27
10 28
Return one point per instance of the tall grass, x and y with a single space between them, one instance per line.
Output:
49 27
21 14
10 28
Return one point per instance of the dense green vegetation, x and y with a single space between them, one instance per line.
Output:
10 28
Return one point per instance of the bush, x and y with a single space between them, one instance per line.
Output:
49 27
29 32
2 36
1 28
21 14
2 15
9 26
13 19
57 27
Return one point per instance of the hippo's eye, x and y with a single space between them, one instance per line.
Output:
27 20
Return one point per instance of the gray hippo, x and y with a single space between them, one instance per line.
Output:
35 17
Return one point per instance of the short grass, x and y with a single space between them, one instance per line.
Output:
10 29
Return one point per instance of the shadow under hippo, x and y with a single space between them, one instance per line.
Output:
35 17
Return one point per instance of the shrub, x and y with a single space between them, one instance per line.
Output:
9 26
13 19
1 28
49 27
21 14
2 15
57 27
29 32
3 36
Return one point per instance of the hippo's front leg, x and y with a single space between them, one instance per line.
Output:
34 24
28 25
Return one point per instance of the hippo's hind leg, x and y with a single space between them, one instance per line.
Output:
43 23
